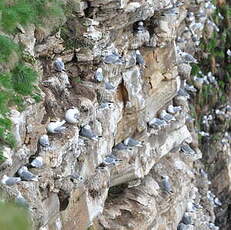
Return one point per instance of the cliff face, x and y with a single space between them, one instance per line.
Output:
143 50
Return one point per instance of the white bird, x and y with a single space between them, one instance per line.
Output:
132 142
56 127
139 58
109 86
44 141
99 75
37 162
187 218
167 116
174 109
182 226
166 184
157 123
26 175
183 93
203 173
120 146
213 25
190 88
211 78
187 149
229 52
140 28
190 17
10 180
87 132
113 58
217 202
203 133
72 115
59 65
186 57
212 226
111 160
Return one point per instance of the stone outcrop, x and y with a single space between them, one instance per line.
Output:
76 188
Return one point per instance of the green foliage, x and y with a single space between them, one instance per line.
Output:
13 217
78 80
2 158
14 86
27 11
19 82
195 69
7 46
23 78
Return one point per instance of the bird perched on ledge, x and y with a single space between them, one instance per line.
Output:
157 123
132 142
56 127
72 115
59 65
10 180
25 174
167 187
174 109
99 75
167 116
88 133
44 141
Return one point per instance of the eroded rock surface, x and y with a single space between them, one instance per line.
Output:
77 188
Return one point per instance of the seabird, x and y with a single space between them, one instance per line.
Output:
190 88
10 180
120 146
111 160
187 149
76 176
187 58
211 78
203 133
157 123
140 28
212 226
59 65
26 175
132 142
99 75
203 173
213 25
44 140
174 109
167 116
187 218
37 162
139 58
87 132
56 127
229 52
167 187
190 17
113 58
109 86
217 202
182 226
72 115
183 93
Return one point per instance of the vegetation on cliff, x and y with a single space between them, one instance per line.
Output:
17 77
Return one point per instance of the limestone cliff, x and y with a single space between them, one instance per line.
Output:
143 52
